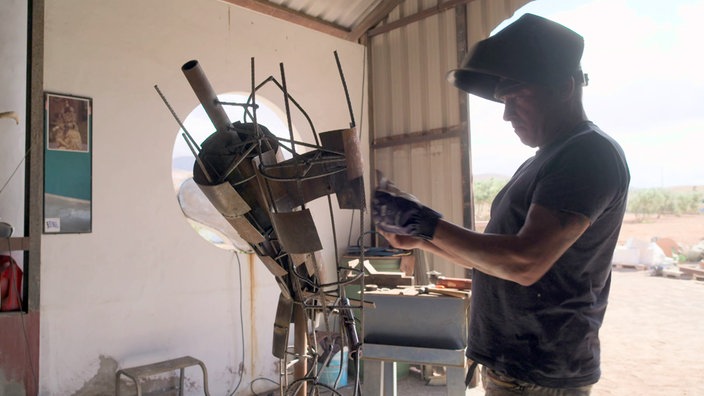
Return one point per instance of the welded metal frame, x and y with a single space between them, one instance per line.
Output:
241 171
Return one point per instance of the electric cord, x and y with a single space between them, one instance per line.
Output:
12 175
241 370
268 392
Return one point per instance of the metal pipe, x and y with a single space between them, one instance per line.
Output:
206 95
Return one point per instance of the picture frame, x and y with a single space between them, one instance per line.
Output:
68 139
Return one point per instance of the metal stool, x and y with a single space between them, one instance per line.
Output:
140 372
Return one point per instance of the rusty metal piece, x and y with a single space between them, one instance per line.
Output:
282 323
246 230
303 178
348 186
225 199
283 287
299 259
273 266
311 264
321 172
353 154
275 196
345 141
350 194
296 231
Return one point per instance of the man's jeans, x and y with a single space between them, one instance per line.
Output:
497 384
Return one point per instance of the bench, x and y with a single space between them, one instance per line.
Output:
139 373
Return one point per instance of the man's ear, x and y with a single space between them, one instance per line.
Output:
567 88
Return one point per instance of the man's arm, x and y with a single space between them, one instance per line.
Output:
522 258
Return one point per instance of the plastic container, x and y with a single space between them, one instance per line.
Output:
328 374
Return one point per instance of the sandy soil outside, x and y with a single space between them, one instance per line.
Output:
685 229
652 341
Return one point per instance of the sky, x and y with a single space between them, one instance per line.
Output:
646 88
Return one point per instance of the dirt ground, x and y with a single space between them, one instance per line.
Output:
651 337
687 230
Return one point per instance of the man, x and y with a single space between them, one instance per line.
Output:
542 268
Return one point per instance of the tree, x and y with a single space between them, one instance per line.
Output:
484 193
659 201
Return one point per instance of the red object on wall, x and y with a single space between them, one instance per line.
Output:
10 284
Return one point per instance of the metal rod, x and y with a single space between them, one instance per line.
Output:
287 106
293 100
235 164
173 113
198 160
344 86
254 99
245 105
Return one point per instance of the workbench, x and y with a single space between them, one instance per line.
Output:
407 326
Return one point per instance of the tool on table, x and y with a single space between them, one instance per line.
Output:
442 291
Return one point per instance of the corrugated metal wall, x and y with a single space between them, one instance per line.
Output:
419 121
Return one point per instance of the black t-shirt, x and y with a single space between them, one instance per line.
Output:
547 333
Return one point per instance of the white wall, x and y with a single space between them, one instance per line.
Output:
13 63
143 286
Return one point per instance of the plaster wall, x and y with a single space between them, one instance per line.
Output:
13 63
143 286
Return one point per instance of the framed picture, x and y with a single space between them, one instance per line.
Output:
68 167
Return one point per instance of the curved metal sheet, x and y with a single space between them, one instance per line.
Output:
225 199
296 231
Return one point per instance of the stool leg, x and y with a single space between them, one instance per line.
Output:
205 379
180 383
117 384
373 378
390 383
455 377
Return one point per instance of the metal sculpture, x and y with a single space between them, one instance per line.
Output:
241 171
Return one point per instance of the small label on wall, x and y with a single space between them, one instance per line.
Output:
52 224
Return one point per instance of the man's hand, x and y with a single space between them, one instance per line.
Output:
397 212
404 242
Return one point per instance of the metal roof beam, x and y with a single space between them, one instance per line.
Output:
417 17
378 14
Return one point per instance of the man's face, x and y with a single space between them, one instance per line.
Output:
532 110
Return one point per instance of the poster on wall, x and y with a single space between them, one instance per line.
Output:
67 163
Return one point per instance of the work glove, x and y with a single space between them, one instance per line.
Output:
398 212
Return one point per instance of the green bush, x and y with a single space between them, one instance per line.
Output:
484 193
659 201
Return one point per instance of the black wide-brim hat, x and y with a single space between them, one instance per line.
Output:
532 49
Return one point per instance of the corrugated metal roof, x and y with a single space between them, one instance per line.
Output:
348 19
344 13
